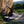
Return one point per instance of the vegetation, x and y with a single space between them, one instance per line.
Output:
12 23
17 23
19 11
18 7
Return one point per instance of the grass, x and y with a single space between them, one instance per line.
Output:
0 17
22 10
17 23
16 11
12 23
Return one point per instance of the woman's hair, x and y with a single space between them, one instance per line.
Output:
4 2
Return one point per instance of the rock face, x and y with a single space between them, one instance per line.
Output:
4 4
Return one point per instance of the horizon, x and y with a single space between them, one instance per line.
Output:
17 0
20 1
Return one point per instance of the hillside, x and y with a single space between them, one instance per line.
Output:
20 2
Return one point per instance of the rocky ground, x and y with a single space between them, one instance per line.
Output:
15 15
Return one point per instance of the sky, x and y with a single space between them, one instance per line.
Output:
17 0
